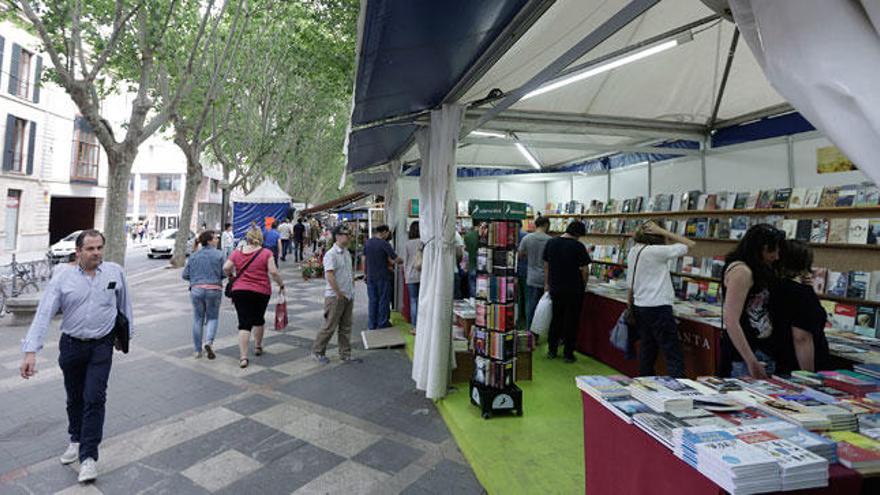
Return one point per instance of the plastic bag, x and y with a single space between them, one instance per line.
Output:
543 315
620 333
281 312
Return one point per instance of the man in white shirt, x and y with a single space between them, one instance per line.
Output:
338 299
652 296
227 240
285 230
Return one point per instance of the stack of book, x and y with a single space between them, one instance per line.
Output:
869 369
858 452
660 399
738 467
660 426
800 469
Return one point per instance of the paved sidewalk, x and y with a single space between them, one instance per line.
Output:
284 425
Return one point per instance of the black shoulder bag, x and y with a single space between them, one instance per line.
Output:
228 290
630 314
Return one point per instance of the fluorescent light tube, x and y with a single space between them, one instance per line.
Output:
662 47
489 134
531 158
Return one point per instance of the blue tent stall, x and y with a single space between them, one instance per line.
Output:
268 200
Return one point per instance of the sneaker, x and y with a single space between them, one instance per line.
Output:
209 351
197 355
88 470
350 360
321 358
71 454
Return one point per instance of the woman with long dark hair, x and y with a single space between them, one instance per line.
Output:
798 316
748 279
412 270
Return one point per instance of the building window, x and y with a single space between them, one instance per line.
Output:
24 73
19 142
166 183
215 185
86 152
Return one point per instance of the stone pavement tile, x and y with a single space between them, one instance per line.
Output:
251 404
413 414
265 377
329 434
221 470
49 478
276 347
388 456
349 477
446 477
345 440
269 359
141 478
287 473
79 489
290 339
299 366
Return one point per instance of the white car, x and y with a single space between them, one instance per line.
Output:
65 249
163 244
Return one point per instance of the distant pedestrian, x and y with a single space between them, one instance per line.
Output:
90 296
299 237
566 265
285 230
531 249
317 231
204 271
252 266
227 240
338 298
412 271
142 229
379 261
272 240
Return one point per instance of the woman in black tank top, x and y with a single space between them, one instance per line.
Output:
748 278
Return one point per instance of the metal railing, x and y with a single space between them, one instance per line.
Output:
23 278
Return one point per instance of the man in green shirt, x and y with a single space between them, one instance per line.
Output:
471 245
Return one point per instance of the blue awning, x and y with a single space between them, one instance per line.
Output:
411 54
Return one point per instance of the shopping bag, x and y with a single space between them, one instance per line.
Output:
620 333
543 315
281 313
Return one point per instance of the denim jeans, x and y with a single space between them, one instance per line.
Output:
739 368
86 369
413 290
472 283
658 330
285 249
379 309
533 295
206 312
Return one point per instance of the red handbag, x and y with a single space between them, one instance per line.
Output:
281 313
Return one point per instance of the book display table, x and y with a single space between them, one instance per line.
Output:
620 458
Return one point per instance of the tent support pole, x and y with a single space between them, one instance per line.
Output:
650 179
608 188
724 78
703 147
789 149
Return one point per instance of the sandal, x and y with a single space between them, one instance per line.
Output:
243 363
258 351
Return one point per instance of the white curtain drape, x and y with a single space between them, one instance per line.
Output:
823 56
433 357
396 220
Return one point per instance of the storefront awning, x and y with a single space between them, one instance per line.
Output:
336 203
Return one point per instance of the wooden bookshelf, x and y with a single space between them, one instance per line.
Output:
849 212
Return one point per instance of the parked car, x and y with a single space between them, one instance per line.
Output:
163 244
65 249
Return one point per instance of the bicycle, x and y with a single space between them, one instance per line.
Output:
23 280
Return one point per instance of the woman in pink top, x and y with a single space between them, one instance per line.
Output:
252 266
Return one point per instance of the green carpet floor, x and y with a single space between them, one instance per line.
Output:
540 452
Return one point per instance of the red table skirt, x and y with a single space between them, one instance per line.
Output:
620 458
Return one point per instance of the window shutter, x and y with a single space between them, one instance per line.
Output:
30 157
37 73
9 147
2 45
13 69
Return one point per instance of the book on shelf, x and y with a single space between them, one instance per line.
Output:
829 196
725 200
820 276
798 196
782 198
723 231
789 227
838 230
844 317
819 231
711 202
813 197
828 306
858 283
857 232
866 321
869 195
690 200
837 283
804 230
738 227
739 202
675 204
874 287
765 199
873 237
846 195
